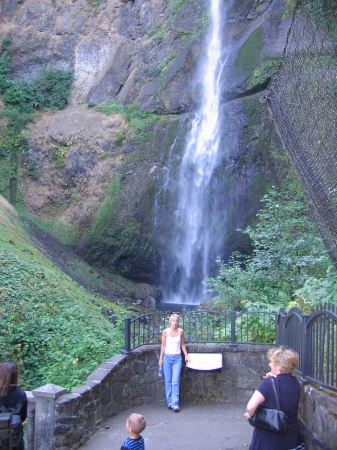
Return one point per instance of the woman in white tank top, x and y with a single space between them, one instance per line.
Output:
172 342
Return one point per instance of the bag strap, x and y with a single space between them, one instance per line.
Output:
19 404
3 408
273 384
17 408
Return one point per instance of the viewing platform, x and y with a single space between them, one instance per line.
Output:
196 427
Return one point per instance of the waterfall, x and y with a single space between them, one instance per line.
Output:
197 220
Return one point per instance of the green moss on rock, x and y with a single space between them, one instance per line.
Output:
249 54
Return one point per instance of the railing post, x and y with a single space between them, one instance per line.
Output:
127 329
307 359
45 399
280 321
233 318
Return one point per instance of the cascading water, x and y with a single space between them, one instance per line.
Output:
198 219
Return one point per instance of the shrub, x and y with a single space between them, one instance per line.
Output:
287 251
49 91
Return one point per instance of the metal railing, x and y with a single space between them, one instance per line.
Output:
313 336
208 327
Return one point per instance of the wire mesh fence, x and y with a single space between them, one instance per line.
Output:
302 99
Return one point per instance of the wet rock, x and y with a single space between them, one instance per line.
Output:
124 300
150 303
144 290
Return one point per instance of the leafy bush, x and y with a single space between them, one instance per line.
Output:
5 80
288 252
51 88
316 291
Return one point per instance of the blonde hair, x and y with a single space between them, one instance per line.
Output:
173 316
283 357
136 422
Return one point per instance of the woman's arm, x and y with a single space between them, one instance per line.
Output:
183 346
255 400
162 349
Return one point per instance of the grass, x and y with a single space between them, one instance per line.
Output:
139 121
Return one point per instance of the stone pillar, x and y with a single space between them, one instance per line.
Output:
45 398
30 421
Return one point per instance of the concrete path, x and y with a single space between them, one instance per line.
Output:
196 427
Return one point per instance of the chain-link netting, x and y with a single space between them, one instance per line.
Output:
302 99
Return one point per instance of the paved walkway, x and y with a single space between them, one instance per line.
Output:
196 427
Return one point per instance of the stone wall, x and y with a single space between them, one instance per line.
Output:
130 380
318 414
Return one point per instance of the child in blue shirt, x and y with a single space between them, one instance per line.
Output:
135 424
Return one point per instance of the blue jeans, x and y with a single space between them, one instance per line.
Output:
172 368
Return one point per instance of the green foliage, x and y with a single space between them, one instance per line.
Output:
316 291
249 53
289 8
255 327
16 121
287 251
11 139
158 32
176 5
31 170
50 325
65 233
54 338
49 91
119 233
138 119
5 80
262 74
6 43
120 137
203 325
58 154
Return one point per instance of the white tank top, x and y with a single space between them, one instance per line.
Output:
172 344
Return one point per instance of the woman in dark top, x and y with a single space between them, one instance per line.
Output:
282 361
11 395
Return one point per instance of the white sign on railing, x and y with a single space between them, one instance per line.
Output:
205 361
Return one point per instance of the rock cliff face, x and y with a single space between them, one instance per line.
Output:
95 175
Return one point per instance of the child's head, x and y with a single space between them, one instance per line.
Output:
135 423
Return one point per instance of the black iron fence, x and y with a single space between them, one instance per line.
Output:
208 327
313 336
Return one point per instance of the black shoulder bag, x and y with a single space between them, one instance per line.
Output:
269 418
